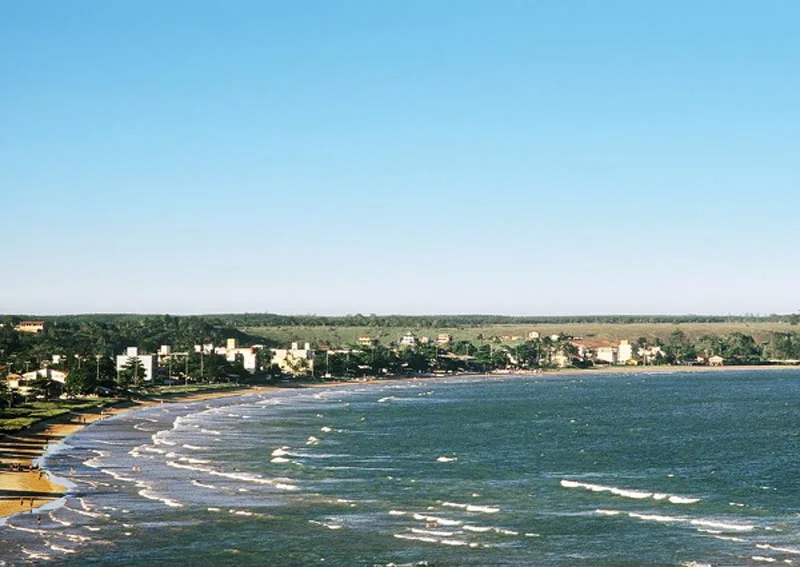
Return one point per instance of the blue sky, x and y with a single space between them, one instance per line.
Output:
514 157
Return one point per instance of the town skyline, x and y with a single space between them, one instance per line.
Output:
548 158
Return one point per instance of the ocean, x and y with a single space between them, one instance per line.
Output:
677 468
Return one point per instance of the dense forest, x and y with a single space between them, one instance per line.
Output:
403 321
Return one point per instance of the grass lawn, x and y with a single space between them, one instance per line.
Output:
26 414
340 336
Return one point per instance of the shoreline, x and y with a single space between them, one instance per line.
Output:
29 488
26 487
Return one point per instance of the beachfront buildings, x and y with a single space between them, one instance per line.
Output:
364 340
294 360
232 351
149 362
49 373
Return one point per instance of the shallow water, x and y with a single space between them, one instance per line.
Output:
662 469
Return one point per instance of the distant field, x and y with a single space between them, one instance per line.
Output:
601 331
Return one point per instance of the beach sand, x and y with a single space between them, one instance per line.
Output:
23 488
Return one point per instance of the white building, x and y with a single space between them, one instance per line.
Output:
649 354
149 362
54 375
532 335
606 354
294 360
624 352
232 350
409 339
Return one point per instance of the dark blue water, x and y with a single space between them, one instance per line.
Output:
597 470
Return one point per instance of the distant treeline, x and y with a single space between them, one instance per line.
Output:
415 321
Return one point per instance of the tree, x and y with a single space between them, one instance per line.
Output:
43 387
6 393
132 374
81 381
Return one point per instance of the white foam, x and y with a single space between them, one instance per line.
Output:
85 512
151 449
483 509
150 495
791 550
457 542
35 554
325 429
158 439
210 432
656 518
764 559
438 520
201 485
312 441
478 529
96 462
683 500
118 476
629 493
59 520
55 547
397 513
386 399
416 538
446 459
723 526
709 526
436 533
279 460
194 447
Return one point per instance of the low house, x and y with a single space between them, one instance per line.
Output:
50 373
16 383
364 340
715 360
409 339
602 352
30 327
533 335
444 339
649 354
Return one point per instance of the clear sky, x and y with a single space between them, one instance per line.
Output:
410 156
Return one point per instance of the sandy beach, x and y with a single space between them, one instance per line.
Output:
24 488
